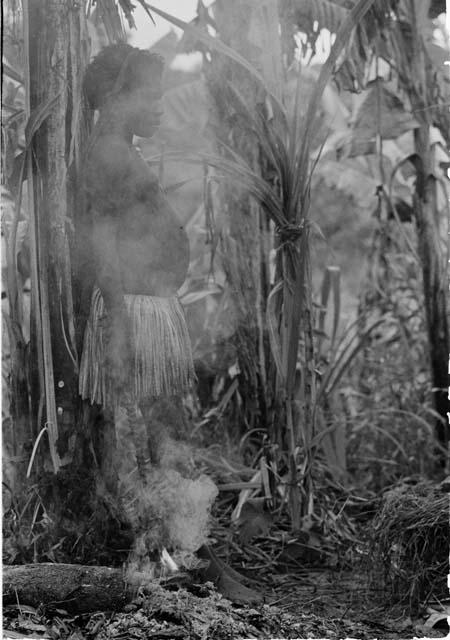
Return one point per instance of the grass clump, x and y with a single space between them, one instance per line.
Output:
410 542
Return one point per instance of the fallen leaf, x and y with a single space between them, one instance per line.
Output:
31 626
253 521
436 618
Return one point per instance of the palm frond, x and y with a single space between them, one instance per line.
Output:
144 6
108 13
217 45
234 167
272 325
258 124
344 358
330 284
12 73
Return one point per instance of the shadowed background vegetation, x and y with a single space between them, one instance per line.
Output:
315 199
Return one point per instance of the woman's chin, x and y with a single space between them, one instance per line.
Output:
146 132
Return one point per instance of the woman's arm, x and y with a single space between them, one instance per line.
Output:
108 191
108 269
108 188
109 280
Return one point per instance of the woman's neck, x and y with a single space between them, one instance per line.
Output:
112 121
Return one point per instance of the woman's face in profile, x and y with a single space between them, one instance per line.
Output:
145 110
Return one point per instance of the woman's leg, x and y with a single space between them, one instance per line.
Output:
154 430
138 429
104 447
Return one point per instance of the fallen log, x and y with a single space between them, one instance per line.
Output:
74 588
84 588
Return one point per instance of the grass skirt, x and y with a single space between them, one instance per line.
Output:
161 350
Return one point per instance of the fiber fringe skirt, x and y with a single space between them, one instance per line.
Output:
161 347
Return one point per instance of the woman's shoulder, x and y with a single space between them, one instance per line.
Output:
109 150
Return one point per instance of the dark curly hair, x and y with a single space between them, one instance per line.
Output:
120 68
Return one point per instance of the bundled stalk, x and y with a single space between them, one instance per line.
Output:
285 145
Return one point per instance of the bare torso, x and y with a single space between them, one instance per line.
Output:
141 246
153 250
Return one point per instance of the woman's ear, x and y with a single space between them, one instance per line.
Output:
126 71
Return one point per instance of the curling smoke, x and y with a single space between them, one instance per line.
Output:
169 507
172 511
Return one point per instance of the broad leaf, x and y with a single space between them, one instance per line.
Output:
185 114
353 179
381 112
342 37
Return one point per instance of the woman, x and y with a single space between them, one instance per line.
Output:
136 346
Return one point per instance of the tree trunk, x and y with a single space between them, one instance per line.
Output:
58 56
429 240
54 34
433 273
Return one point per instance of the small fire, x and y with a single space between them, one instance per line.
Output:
142 570
168 564
169 509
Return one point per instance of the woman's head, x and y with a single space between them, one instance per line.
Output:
129 78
